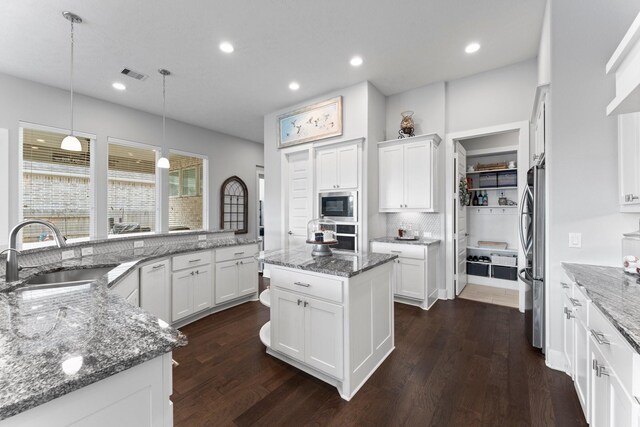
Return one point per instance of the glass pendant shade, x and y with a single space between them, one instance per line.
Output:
71 143
163 163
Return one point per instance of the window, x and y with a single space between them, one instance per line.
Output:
187 186
56 186
174 183
131 189
234 205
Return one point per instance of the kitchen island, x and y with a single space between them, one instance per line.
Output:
331 317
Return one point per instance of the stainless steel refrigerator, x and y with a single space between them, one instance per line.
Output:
532 226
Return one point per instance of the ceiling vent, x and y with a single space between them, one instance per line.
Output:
134 74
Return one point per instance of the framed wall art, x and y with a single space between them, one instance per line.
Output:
318 121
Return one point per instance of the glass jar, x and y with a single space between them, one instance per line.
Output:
321 230
631 252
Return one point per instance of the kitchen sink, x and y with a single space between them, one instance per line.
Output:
68 277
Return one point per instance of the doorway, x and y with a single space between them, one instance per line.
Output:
482 247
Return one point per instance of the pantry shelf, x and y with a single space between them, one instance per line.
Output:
494 188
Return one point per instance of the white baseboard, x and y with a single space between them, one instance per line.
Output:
555 360
442 294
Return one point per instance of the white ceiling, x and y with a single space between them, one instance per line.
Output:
405 44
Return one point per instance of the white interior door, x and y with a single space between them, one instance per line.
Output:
299 198
461 221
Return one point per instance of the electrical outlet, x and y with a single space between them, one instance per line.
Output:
202 237
68 254
575 240
138 244
87 251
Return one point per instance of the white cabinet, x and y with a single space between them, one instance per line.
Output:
236 273
129 289
192 287
582 365
539 124
407 173
414 271
568 328
155 289
287 321
629 161
337 167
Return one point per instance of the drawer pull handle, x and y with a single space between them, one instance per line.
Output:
155 267
195 260
306 285
564 285
306 303
575 302
567 313
599 337
238 253
299 301
396 252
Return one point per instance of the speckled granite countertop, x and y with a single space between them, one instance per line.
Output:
55 341
615 293
421 241
338 264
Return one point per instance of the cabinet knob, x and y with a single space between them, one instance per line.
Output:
240 262
290 233
299 301
192 273
568 313
306 303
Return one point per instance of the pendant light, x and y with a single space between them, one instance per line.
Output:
163 162
70 142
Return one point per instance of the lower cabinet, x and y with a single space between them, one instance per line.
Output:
236 278
191 291
308 329
568 326
155 288
582 365
129 289
410 278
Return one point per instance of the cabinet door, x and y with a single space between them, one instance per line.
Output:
134 298
326 165
202 288
582 367
323 336
568 326
410 278
181 295
390 166
226 281
287 323
247 276
417 176
347 169
155 290
628 158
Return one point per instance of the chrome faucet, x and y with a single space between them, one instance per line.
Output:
12 255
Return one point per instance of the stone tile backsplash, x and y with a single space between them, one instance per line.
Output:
420 221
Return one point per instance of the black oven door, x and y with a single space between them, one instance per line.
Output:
347 238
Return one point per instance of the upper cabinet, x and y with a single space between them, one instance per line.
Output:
629 162
625 64
539 122
407 173
337 168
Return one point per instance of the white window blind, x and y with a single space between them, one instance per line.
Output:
55 186
131 189
186 187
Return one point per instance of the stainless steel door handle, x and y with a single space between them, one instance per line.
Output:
575 302
155 267
568 313
564 285
599 337
306 285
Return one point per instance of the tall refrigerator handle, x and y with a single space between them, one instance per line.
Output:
522 213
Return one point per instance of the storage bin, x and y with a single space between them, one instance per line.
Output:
504 260
488 179
507 179
506 273
478 269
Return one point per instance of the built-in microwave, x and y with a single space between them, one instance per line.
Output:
339 206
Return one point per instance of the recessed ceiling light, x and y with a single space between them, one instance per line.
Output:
356 61
40 140
472 47
118 86
294 86
226 47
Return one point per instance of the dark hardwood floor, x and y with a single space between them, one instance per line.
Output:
462 363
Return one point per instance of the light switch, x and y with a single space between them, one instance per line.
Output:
575 240
68 254
202 237
138 244
87 251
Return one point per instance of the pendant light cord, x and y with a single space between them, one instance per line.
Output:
71 77
164 114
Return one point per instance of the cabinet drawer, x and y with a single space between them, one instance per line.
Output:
195 259
320 287
567 288
236 252
404 251
613 346
580 303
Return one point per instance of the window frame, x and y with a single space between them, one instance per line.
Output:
93 226
205 188
179 171
195 176
158 208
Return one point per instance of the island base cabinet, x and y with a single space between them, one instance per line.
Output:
308 330
138 396
582 366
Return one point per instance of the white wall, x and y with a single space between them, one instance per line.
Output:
27 101
503 95
582 154
427 103
376 103
354 125
544 50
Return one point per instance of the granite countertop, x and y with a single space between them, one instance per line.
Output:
55 341
421 241
615 293
338 264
